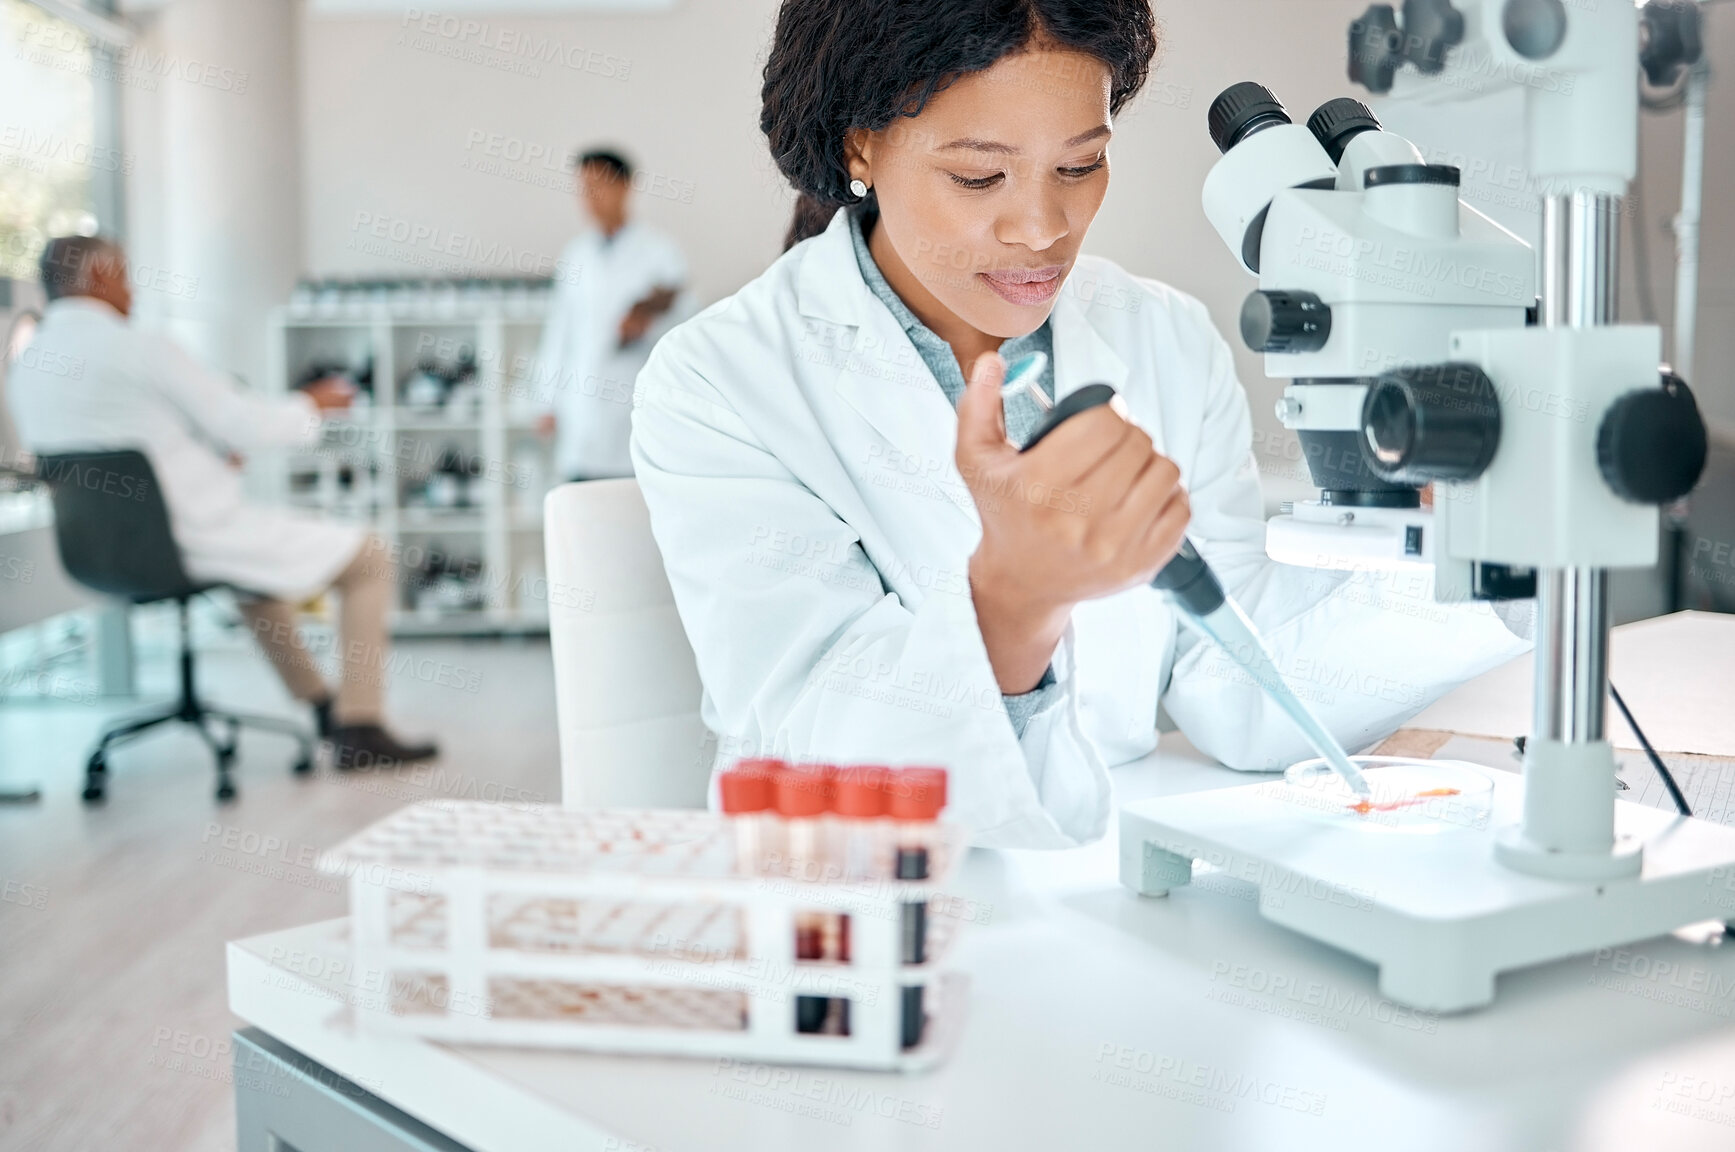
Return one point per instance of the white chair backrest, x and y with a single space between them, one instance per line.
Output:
626 685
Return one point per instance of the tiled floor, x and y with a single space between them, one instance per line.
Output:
113 1013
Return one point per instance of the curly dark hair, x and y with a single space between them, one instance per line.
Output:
837 65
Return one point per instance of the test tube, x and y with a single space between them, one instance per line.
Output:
744 793
802 795
916 796
859 802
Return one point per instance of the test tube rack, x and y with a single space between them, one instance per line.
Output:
631 932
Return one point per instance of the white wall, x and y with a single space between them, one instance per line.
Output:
398 123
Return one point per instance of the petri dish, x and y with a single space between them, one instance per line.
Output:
1408 795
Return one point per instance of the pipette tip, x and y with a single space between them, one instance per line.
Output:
1352 776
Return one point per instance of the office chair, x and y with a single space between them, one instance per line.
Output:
112 528
627 688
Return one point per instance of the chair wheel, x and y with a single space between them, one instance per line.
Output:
225 791
93 794
303 766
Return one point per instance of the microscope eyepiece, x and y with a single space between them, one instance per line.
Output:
1336 122
1240 111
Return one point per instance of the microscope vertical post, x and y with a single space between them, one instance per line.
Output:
1568 825
1580 241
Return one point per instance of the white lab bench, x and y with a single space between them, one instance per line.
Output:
34 587
1098 1020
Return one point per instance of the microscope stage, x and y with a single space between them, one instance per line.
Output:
1429 905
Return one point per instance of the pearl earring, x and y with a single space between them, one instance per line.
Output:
858 189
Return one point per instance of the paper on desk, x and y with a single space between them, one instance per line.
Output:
1708 782
1677 674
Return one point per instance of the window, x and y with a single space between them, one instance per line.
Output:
59 159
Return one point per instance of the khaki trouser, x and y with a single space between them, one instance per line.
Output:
364 590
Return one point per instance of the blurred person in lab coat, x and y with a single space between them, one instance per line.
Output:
868 569
622 286
89 380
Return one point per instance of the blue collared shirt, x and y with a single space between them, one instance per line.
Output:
1022 412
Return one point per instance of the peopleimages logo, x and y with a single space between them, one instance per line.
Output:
1399 266
59 148
416 242
135 65
543 165
524 52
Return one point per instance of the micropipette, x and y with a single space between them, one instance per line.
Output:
1022 376
1198 594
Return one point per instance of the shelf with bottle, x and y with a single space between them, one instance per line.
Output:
441 483
327 299
429 521
442 577
347 357
440 384
439 367
528 477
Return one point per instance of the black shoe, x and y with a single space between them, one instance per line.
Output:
322 716
363 746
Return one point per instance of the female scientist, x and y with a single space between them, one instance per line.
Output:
867 568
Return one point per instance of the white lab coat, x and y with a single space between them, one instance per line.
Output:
797 458
89 380
583 377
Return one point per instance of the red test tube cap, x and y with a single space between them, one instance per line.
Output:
859 792
803 790
917 793
747 786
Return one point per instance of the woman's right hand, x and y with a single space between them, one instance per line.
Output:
1092 510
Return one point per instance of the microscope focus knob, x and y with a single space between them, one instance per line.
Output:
1431 28
1670 39
1376 49
1651 445
1274 321
1431 422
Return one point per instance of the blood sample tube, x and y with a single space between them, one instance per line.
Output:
916 796
745 795
859 806
802 795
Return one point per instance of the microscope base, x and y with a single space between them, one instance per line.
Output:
1432 908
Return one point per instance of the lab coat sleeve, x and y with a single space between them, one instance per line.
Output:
1365 650
670 271
802 650
222 411
673 270
552 351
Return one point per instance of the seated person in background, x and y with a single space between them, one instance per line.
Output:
140 390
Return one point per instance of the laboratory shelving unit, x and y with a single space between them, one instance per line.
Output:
372 463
